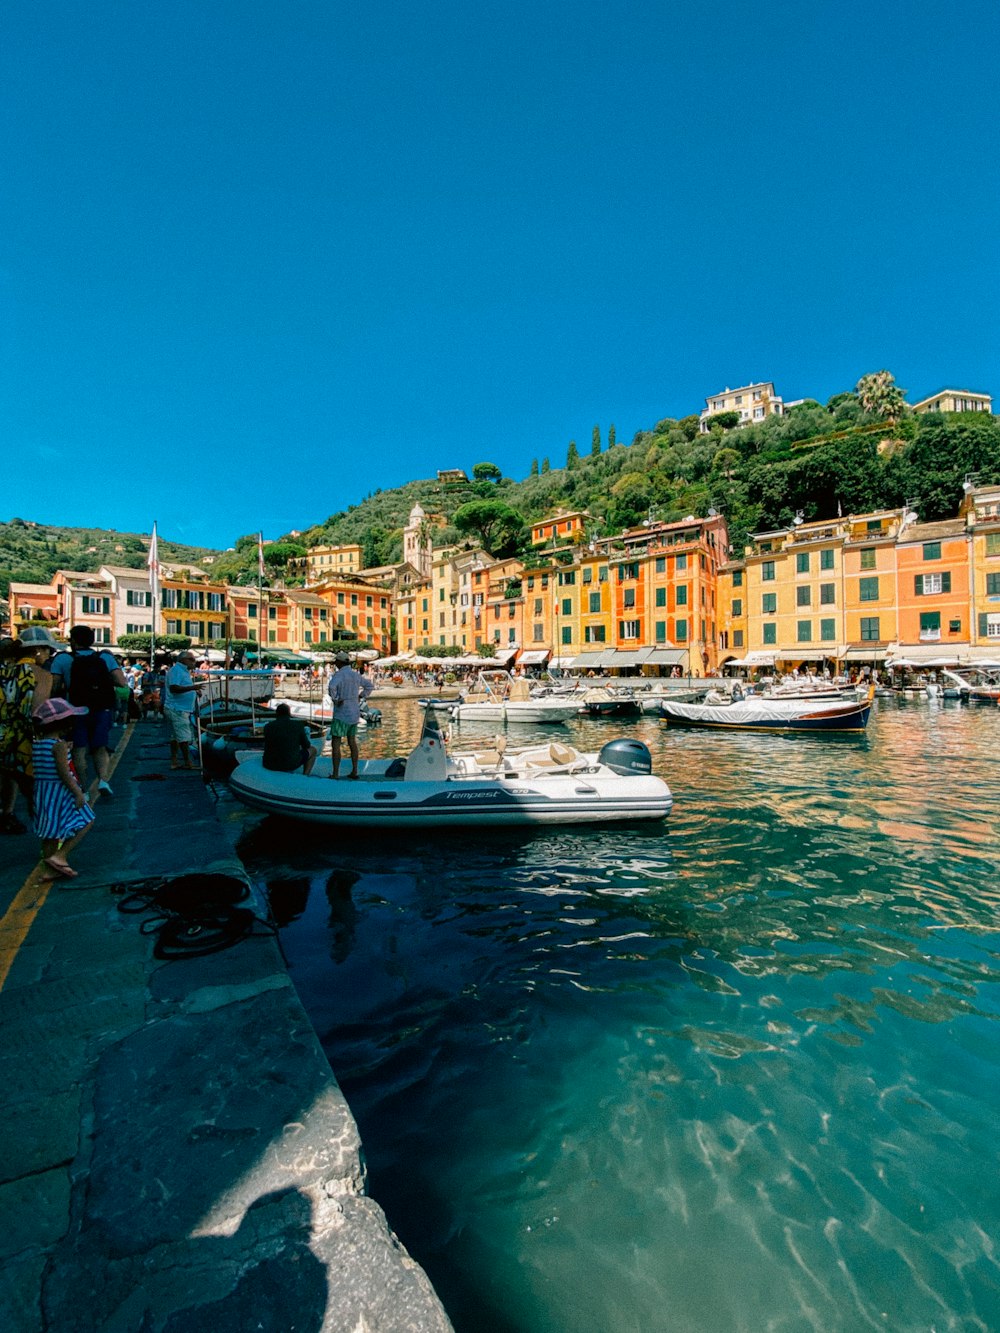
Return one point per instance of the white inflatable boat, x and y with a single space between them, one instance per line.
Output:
548 784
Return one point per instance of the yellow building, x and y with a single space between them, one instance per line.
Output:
871 584
325 562
359 608
955 400
752 403
191 603
732 612
981 511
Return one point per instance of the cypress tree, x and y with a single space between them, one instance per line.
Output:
595 445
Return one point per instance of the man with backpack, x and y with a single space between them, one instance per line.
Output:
88 679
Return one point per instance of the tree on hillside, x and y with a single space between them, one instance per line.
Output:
278 554
611 436
572 454
533 472
880 395
726 461
546 466
595 442
486 472
497 526
722 421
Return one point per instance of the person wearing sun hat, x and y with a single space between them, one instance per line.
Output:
61 809
24 682
347 689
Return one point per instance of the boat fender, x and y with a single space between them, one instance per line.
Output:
626 757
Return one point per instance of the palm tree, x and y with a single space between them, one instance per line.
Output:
880 395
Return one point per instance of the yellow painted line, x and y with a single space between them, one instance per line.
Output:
19 917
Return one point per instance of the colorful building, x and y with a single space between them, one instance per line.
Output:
752 403
981 511
955 400
192 604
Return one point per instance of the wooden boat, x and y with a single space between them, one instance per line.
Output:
549 784
763 714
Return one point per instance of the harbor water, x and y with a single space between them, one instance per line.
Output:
735 1071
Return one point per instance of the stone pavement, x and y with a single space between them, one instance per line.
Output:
175 1154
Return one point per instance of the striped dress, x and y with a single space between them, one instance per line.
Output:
56 812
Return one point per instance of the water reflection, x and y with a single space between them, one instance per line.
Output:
737 1071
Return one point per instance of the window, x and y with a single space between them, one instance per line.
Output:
567 633
661 564
272 613
588 575
627 572
993 585
594 634
770 632
868 558
803 595
567 606
737 578
869 629
138 598
595 601
96 606
828 630
769 603
251 610
826 559
629 597
802 562
215 630
682 595
868 590
538 633
660 596
993 543
767 571
681 628
628 629
932 550
989 625
927 585
602 574
137 629
660 631
930 626
682 562
827 594
737 606
567 576
538 606
804 631
737 638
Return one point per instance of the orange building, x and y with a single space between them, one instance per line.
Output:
933 586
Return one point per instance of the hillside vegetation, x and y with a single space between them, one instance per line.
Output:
863 450
32 552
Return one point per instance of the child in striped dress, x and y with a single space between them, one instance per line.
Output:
61 809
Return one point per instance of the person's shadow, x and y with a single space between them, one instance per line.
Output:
284 1291
343 914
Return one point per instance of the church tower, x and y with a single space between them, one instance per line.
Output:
418 548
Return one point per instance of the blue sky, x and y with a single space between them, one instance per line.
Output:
260 259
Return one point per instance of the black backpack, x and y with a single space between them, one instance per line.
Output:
90 683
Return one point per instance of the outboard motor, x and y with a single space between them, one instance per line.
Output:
626 757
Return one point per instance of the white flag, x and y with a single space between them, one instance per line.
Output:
260 555
153 561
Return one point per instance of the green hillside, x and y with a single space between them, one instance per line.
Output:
32 552
817 459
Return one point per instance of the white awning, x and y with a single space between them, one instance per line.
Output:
924 654
856 654
666 657
809 655
534 657
755 659
589 661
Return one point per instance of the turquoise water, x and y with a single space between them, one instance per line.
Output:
735 1072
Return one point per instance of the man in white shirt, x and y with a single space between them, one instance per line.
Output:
179 705
347 689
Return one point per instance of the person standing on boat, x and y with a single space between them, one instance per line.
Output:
347 689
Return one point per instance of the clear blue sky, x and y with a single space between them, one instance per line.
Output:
261 257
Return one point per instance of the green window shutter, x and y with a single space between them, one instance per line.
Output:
984 628
918 585
946 581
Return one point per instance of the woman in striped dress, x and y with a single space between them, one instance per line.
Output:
61 809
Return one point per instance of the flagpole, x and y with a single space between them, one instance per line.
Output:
153 562
260 602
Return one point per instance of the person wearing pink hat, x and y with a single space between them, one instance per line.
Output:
61 809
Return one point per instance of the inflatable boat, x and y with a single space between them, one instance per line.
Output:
546 784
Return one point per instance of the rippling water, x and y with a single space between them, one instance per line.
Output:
738 1071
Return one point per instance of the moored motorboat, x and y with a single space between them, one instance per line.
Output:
499 697
758 714
548 784
609 701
